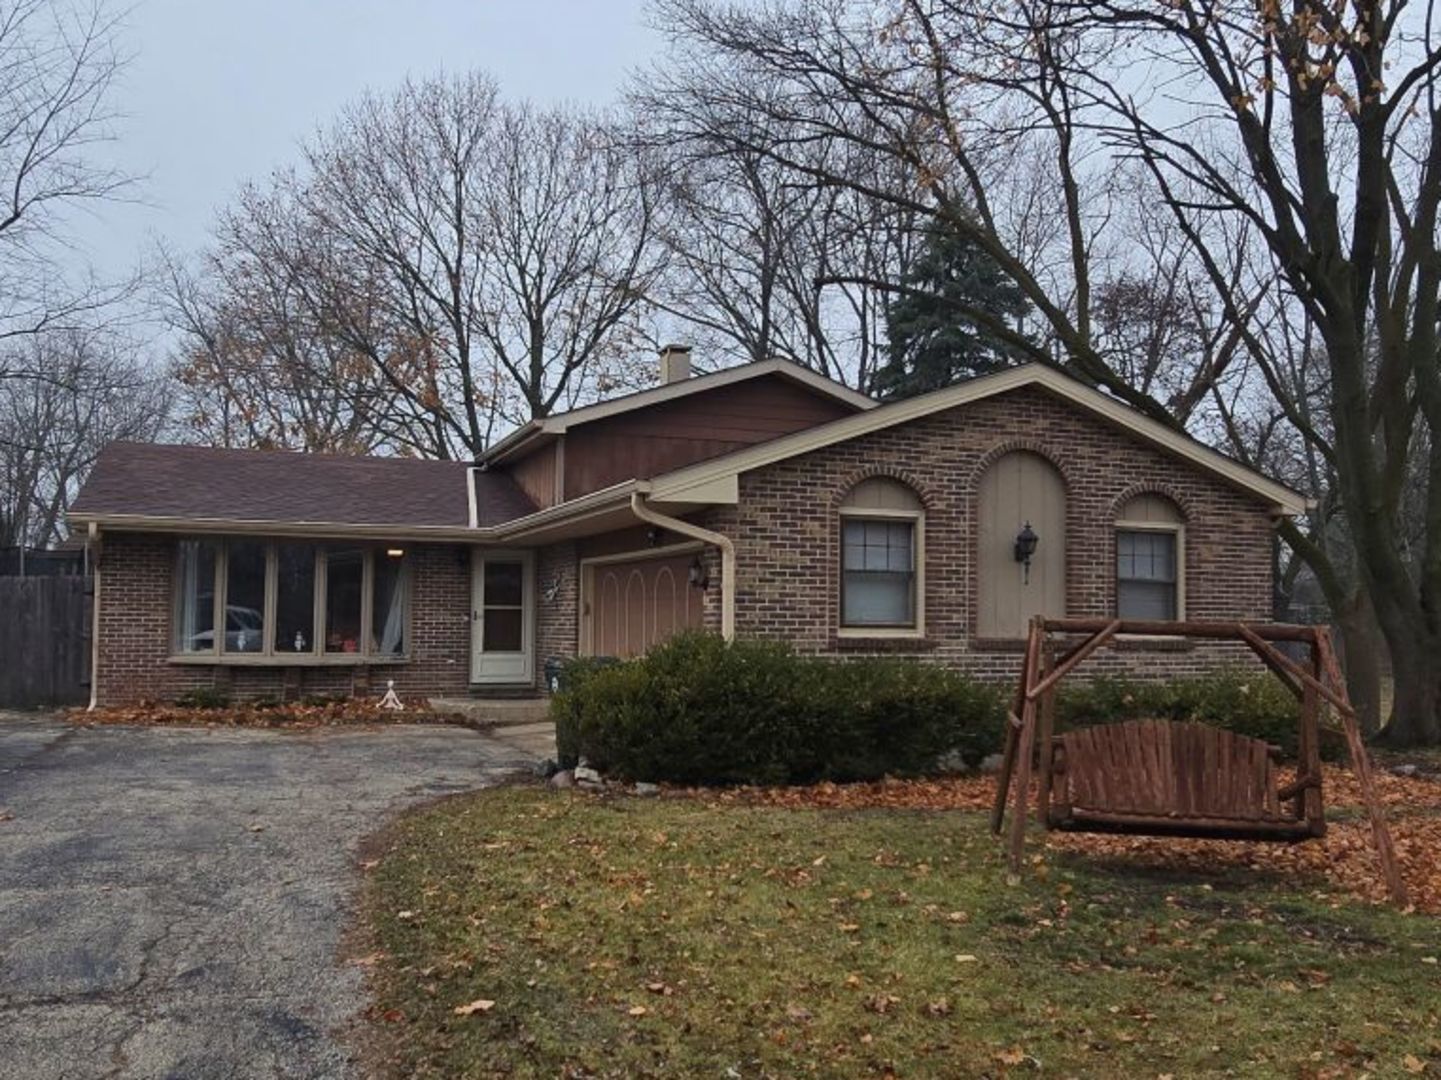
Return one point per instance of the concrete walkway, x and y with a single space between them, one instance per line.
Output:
172 902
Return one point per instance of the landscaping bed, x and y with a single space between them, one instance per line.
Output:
306 713
856 930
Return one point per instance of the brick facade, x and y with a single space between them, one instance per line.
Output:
787 534
136 608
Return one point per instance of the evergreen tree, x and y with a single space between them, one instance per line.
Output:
933 341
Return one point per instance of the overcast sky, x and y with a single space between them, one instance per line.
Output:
222 91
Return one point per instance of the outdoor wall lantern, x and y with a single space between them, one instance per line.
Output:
697 575
1026 541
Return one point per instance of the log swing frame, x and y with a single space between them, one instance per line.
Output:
1166 778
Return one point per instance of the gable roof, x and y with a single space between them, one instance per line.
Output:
656 395
196 483
704 481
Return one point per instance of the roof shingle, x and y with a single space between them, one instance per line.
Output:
200 482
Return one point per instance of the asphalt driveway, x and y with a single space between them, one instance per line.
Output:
173 902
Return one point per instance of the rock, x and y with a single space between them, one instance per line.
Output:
547 768
991 763
646 791
584 774
563 779
951 762
1406 770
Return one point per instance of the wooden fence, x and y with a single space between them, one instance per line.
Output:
44 641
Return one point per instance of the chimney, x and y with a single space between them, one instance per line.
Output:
674 363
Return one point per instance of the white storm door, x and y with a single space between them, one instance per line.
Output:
502 639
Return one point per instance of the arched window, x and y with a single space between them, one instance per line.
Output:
882 573
1150 559
1019 489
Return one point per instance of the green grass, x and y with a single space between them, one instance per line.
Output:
770 942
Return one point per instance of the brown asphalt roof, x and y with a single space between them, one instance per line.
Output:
275 485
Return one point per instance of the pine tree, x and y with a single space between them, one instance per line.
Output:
933 341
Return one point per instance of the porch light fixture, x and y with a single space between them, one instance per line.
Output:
697 576
395 553
1026 541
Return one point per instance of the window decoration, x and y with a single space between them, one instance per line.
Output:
881 538
1149 560
291 601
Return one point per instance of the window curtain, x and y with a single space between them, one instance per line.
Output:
391 579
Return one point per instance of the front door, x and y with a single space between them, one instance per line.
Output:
502 618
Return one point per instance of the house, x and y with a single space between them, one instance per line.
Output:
757 500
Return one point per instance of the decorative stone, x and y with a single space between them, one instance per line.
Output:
1406 770
563 779
951 762
991 763
584 774
645 790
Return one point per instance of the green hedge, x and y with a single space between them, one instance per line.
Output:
699 710
1248 703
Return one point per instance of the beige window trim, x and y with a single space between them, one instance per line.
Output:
1177 529
918 558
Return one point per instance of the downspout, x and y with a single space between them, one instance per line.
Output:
93 540
695 532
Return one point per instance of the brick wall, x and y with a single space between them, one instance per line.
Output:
787 533
135 633
557 619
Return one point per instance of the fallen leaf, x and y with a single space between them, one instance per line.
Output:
1412 1064
405 914
637 1010
1014 1056
470 1008
965 958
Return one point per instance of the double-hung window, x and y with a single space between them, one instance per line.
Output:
1149 560
290 601
881 562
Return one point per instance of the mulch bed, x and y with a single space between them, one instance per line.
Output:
1343 861
346 713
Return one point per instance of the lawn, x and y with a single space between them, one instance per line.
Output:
692 937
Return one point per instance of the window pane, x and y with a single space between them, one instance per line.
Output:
504 583
294 598
1145 600
502 630
245 597
878 599
195 597
388 604
344 577
878 545
1146 575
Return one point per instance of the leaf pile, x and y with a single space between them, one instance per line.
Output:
1343 861
336 713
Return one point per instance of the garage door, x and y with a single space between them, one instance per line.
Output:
641 602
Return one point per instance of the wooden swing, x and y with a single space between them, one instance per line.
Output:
1167 778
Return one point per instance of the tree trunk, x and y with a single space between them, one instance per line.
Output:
1416 712
1362 648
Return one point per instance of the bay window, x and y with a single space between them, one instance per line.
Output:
290 602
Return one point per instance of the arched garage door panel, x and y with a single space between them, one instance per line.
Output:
639 603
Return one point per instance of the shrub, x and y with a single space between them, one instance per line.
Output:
700 710
1247 703
204 697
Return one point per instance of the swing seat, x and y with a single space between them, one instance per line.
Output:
1168 778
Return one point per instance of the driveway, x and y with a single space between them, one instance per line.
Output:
172 902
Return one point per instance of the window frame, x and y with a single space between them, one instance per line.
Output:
917 520
268 655
1177 529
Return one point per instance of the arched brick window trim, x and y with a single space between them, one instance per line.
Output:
1010 446
882 472
1165 491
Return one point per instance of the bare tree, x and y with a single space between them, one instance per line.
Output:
84 389
57 63
1310 137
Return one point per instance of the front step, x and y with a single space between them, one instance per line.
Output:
497 712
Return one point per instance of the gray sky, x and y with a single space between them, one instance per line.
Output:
221 91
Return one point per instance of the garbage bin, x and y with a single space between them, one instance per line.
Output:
551 673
